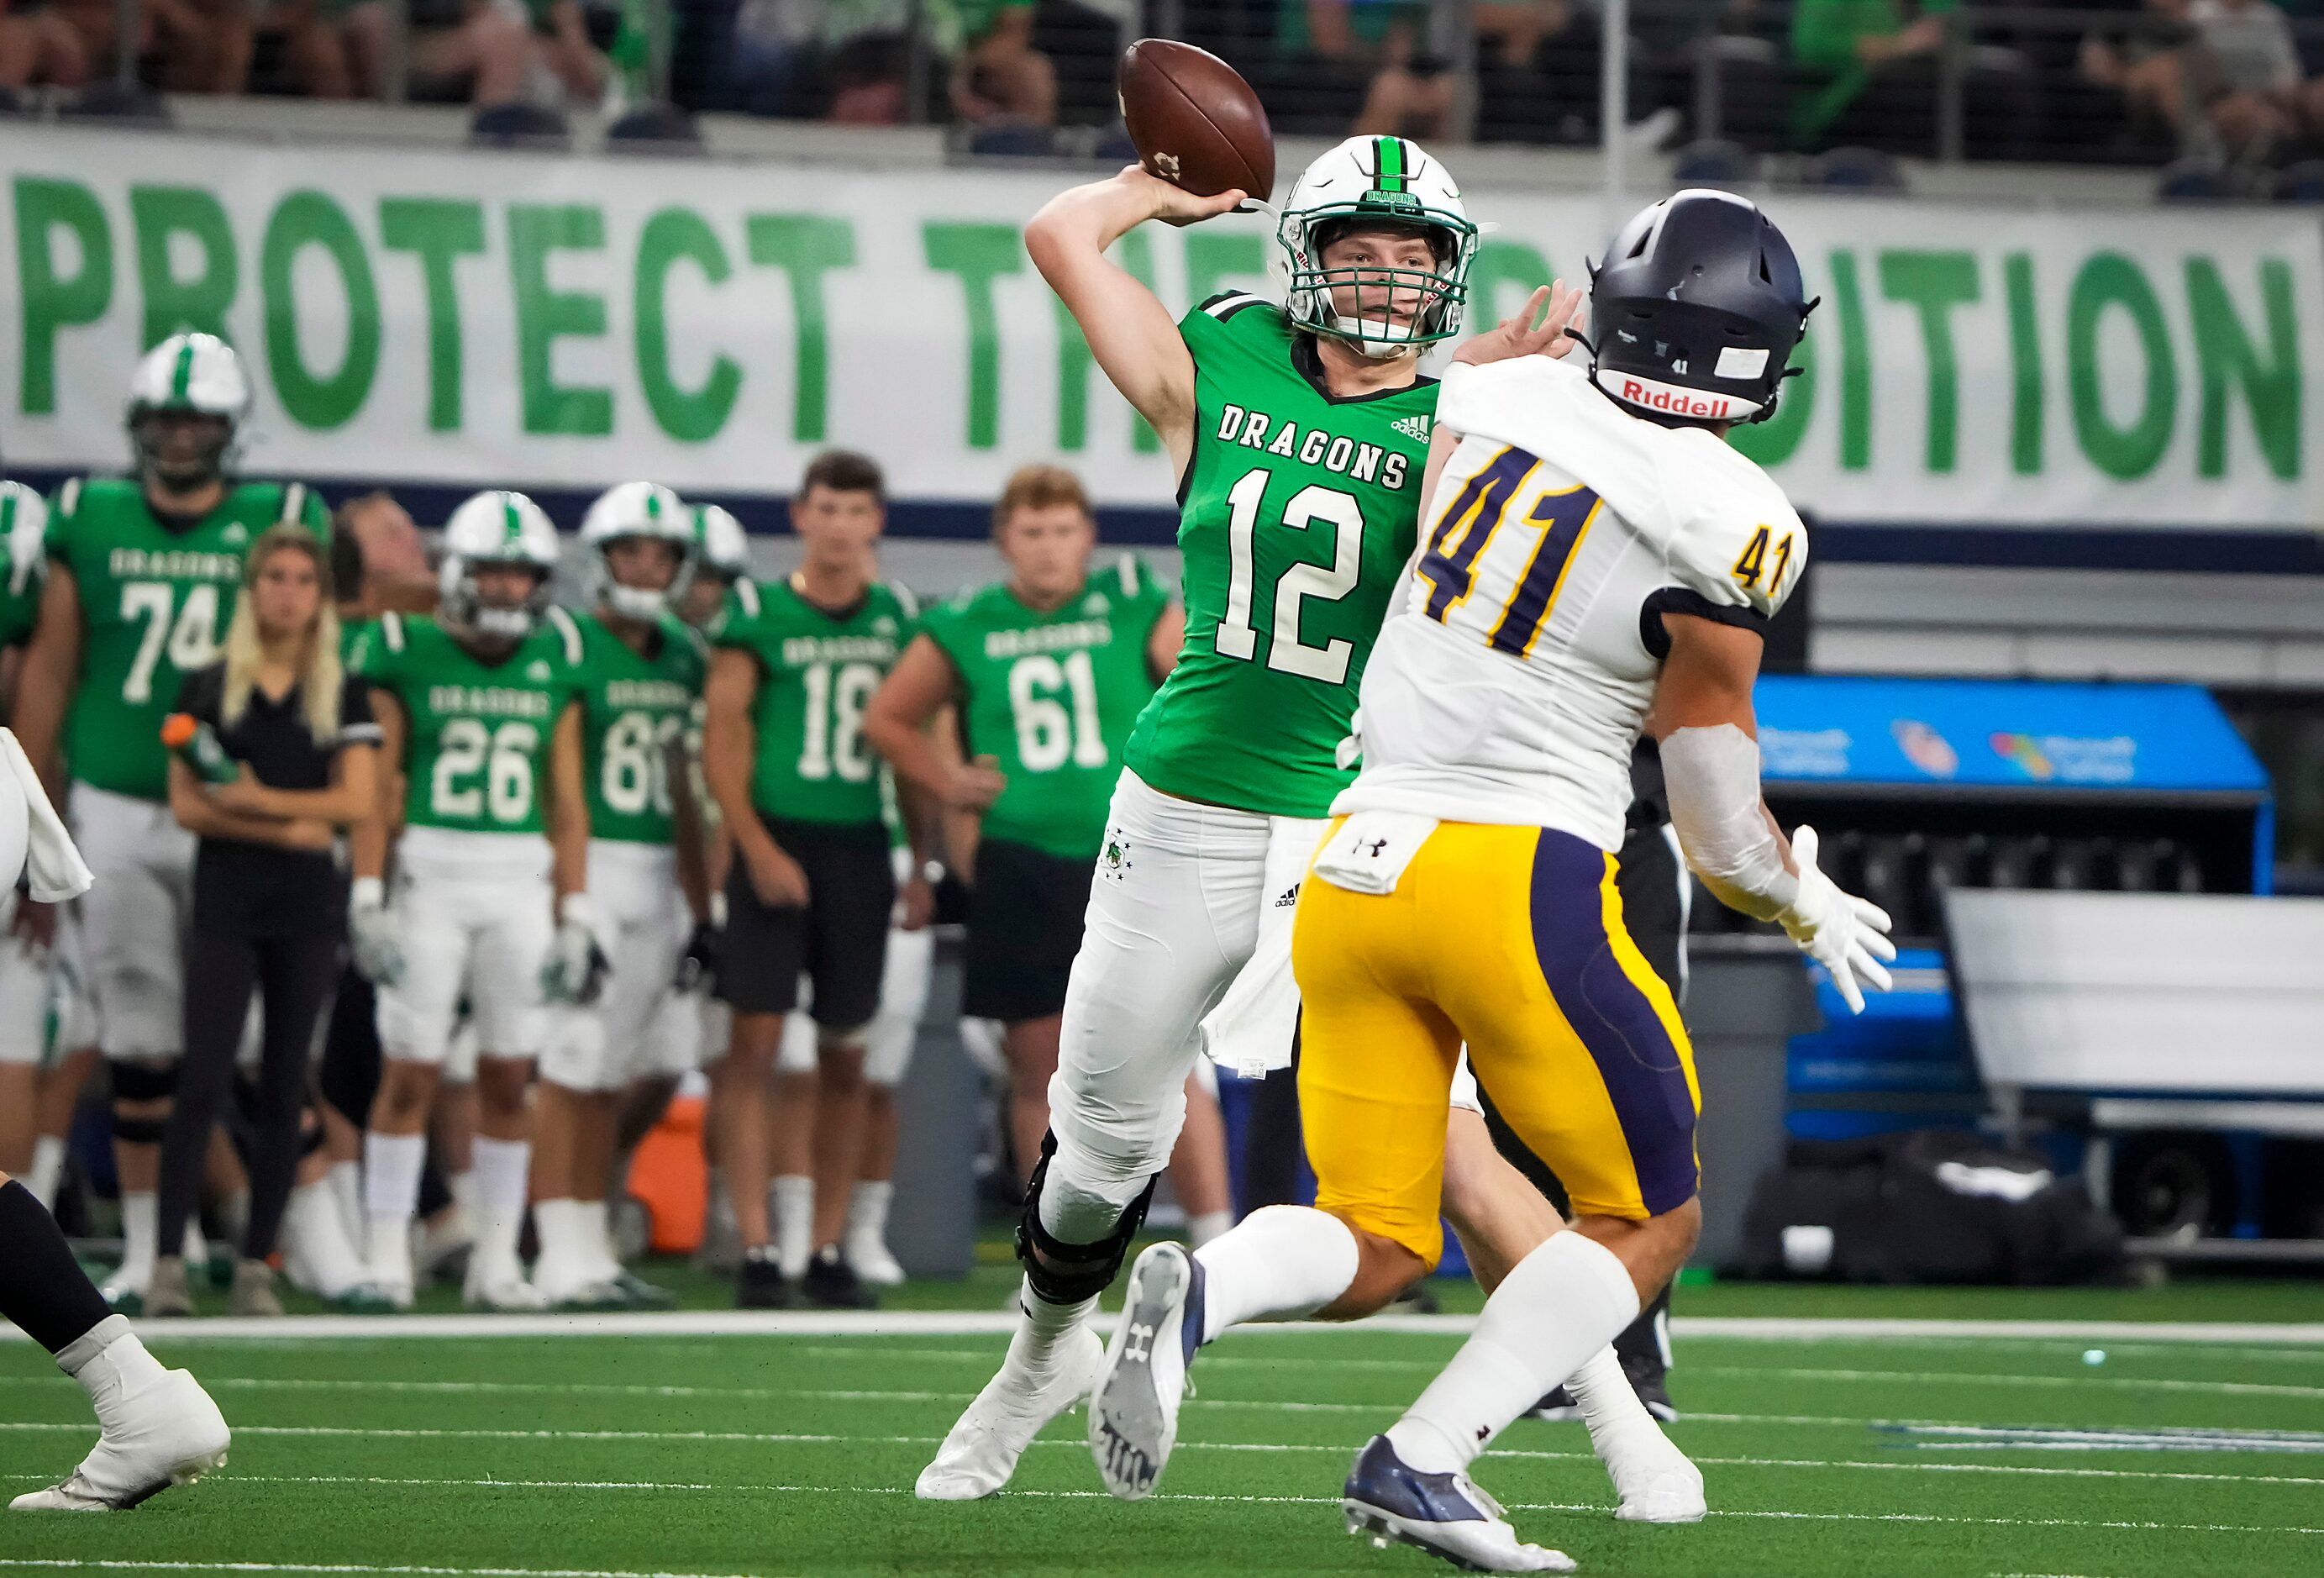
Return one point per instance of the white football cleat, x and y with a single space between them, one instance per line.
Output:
506 1294
980 1453
1666 1492
168 1434
1133 1417
1447 1515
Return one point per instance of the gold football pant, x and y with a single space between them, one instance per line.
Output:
1510 939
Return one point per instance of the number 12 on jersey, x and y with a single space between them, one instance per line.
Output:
1468 525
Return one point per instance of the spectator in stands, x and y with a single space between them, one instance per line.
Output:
2225 79
1537 68
199 46
39 48
999 76
1872 73
1360 65
473 54
560 33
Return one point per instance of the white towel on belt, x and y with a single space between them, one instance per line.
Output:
46 852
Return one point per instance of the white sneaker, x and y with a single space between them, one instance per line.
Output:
124 1292
869 1256
1133 1417
981 1452
169 1434
508 1294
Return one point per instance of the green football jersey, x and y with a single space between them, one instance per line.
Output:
1296 516
24 559
634 706
816 673
155 603
1053 697
476 735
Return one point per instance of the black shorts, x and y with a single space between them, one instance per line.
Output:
1024 928
840 940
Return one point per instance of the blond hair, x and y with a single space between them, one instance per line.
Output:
319 676
1038 487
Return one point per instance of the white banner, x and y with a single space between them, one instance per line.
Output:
472 318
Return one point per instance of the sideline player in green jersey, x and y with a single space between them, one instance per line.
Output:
798 787
1300 435
641 685
482 723
1048 670
143 573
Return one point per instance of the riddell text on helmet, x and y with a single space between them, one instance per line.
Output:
1680 402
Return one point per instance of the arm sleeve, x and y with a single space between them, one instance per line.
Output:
356 725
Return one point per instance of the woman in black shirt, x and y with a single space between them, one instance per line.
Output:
270 903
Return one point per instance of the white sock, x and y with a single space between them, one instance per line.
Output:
597 1238
1563 1303
1281 1260
321 1239
234 1214
391 1164
501 1169
867 1210
1618 1421
564 1256
794 1210
1044 1325
197 1249
48 1169
344 1181
1209 1226
141 1229
109 1363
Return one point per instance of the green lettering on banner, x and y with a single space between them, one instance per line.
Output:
1935 283
305 219
1135 252
199 301
1213 257
979 254
691 416
544 315
1855 365
51 301
1772 442
2108 279
2027 388
805 246
2225 355
439 231
1500 263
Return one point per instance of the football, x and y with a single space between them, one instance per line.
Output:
1194 121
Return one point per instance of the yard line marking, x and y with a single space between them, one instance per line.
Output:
1265 1447
1001 1322
2241 1389
2070 1438
114 1564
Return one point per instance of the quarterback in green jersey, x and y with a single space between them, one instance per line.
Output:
1300 434
1048 671
142 574
799 793
481 721
640 690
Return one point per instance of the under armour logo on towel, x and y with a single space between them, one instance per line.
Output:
1372 847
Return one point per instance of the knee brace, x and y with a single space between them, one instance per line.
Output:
142 1081
1064 1273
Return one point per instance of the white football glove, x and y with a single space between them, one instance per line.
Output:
575 972
1846 934
374 937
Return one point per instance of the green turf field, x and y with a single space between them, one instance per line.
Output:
662 1453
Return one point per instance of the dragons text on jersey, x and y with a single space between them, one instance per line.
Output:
816 672
1053 696
477 734
634 705
156 598
1298 512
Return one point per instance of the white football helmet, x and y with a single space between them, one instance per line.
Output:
1367 182
722 548
191 371
496 528
636 509
24 530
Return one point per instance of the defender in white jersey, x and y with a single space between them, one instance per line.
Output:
1596 562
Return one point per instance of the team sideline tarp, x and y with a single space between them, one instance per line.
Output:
457 317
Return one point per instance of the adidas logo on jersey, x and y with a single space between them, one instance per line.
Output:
1290 898
1412 427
